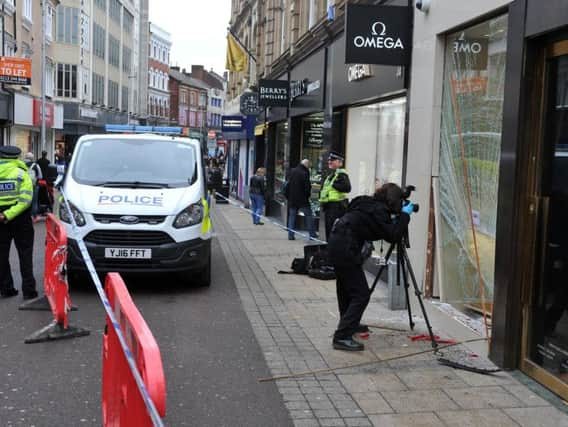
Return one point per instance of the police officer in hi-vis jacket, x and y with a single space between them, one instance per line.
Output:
333 194
16 192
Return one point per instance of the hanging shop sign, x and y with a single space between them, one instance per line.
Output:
15 70
298 88
273 93
470 54
249 104
377 34
49 113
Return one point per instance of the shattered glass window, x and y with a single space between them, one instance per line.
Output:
470 147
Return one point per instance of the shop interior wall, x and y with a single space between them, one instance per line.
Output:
425 106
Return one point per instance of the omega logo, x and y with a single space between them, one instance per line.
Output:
379 40
461 45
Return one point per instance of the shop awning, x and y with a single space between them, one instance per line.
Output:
259 129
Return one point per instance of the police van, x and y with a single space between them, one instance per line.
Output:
139 201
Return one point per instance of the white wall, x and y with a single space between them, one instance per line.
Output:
425 105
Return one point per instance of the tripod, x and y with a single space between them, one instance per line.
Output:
403 265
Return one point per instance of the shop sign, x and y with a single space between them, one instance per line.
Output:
470 54
470 85
232 123
88 112
312 87
377 34
298 88
49 113
358 72
273 93
15 70
249 103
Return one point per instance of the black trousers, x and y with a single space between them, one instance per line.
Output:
21 230
332 211
352 297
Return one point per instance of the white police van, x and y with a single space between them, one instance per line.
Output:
139 202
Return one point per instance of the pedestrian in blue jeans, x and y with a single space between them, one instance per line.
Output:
298 193
257 190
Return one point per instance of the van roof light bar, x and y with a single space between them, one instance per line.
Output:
163 130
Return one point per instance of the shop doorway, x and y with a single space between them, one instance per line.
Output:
545 331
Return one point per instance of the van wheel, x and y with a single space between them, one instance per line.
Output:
205 274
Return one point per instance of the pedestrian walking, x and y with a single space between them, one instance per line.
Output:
16 195
35 173
368 218
333 195
43 163
298 192
215 178
257 191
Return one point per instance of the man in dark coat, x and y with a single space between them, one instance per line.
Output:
298 194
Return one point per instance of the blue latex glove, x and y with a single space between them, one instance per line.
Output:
408 208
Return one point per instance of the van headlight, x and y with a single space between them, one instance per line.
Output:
64 215
191 215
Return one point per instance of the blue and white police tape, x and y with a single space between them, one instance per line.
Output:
271 221
156 419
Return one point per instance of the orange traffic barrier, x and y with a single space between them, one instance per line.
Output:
56 288
125 402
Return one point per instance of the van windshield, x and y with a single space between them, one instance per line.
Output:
135 163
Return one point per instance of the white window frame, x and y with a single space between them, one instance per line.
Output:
27 12
49 79
49 23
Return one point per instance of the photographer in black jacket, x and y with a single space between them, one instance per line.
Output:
368 218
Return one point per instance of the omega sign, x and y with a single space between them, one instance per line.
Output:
377 35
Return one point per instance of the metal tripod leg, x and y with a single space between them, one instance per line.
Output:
402 266
418 294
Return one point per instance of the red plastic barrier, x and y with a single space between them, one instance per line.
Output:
55 279
123 404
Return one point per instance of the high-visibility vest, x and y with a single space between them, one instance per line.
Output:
330 194
16 189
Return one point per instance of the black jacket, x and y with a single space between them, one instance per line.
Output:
256 185
366 219
299 187
215 179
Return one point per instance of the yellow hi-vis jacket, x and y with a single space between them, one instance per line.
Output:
328 193
16 189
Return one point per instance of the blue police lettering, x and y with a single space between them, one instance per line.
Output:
7 186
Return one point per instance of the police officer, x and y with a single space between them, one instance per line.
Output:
368 218
16 193
333 195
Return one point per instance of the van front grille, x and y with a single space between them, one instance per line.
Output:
128 238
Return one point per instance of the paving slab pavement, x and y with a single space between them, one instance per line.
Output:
294 317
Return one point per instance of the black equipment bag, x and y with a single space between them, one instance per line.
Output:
318 263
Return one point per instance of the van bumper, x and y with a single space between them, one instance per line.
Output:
168 258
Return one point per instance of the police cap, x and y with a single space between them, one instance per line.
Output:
334 155
9 152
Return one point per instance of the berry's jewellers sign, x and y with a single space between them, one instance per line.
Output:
377 34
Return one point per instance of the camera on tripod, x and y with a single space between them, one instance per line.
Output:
406 195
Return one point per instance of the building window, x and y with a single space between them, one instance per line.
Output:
192 98
27 13
124 98
49 24
101 4
128 21
67 25
114 11
98 89
112 94
470 149
99 36
126 59
312 13
282 161
66 80
202 100
49 79
113 51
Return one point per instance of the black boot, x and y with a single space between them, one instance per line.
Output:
347 344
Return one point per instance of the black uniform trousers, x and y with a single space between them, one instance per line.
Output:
332 211
21 230
352 297
352 289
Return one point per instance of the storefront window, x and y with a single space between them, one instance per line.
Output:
282 161
375 145
313 150
470 146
